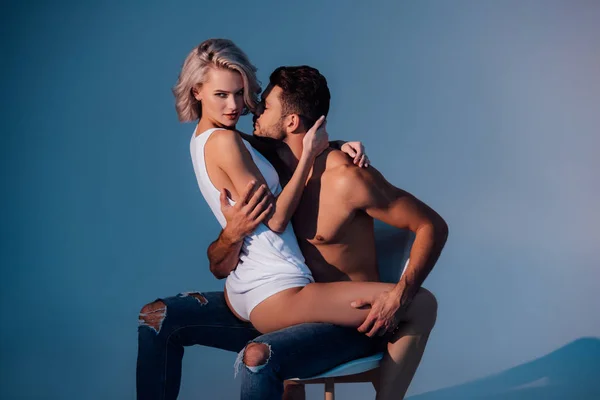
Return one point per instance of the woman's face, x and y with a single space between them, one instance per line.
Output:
222 97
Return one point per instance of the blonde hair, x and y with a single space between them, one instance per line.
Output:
215 53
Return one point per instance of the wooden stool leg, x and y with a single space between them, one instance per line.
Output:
329 390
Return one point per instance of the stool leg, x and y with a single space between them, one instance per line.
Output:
329 390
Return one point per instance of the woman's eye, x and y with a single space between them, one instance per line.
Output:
240 93
222 95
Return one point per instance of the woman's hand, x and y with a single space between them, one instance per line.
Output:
356 150
316 139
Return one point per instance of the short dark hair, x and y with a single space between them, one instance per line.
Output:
305 92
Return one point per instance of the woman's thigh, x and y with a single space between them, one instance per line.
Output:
316 302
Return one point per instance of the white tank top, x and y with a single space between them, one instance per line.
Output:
265 255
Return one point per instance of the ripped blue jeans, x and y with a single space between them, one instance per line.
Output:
169 324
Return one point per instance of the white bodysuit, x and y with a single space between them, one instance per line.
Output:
269 262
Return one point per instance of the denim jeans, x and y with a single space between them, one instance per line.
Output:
204 318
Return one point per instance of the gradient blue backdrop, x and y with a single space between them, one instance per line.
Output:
488 111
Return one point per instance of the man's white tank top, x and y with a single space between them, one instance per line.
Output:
266 256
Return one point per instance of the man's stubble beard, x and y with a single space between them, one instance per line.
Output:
275 132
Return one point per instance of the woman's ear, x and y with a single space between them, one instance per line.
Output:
196 93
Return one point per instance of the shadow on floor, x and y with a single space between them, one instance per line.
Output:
571 372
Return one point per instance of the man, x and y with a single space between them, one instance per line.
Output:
335 228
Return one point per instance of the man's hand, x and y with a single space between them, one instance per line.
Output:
385 314
252 209
242 219
356 150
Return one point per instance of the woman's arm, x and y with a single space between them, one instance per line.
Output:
236 162
268 148
242 219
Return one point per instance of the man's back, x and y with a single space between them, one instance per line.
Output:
338 241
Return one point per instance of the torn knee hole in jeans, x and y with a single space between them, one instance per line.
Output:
198 296
255 356
153 315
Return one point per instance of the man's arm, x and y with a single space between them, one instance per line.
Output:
224 254
373 194
242 219
368 191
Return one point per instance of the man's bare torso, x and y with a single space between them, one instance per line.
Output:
337 242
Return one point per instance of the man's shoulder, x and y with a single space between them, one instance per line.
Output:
336 159
337 164
355 185
341 172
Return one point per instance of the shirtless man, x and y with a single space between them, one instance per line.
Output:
335 228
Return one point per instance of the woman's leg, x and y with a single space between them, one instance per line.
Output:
316 302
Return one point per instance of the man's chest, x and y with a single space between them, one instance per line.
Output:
321 218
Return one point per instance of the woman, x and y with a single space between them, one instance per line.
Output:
272 287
